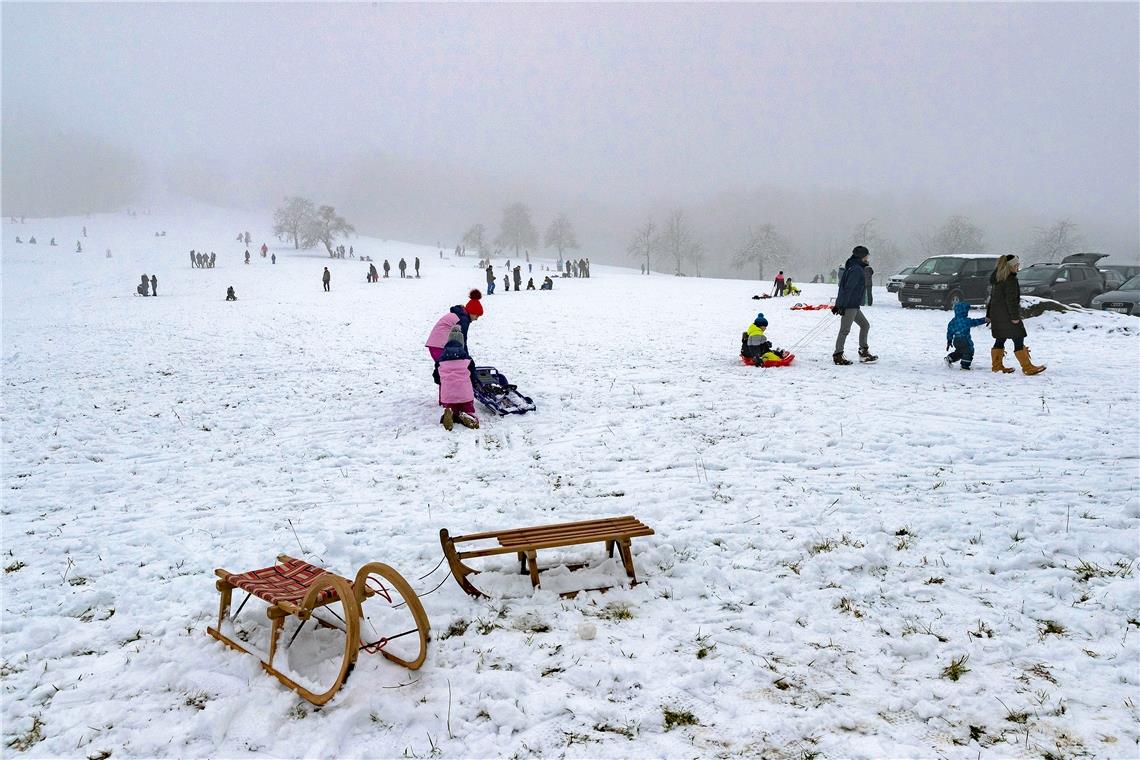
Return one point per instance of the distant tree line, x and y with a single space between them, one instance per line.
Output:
517 232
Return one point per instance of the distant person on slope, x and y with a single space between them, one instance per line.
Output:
230 295
326 279
153 285
868 275
143 288
847 303
387 268
547 284
1004 313
518 278
403 268
530 284
417 267
490 280
462 316
778 284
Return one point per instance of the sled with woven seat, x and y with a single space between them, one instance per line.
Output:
297 589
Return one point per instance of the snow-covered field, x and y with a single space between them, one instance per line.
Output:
829 540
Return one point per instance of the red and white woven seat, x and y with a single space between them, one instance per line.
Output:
287 582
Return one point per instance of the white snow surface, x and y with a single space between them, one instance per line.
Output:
828 539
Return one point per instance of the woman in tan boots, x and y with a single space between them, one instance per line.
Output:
1004 313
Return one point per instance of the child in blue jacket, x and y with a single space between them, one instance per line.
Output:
958 335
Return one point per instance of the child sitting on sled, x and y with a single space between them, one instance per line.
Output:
755 347
455 375
958 335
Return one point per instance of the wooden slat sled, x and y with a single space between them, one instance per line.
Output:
614 532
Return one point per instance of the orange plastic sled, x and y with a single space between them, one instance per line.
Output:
769 362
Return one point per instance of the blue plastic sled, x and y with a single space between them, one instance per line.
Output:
498 395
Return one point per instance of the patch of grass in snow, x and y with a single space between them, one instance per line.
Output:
934 581
628 731
1047 627
485 626
956 669
30 738
457 628
705 645
674 718
846 605
983 631
196 699
1043 672
616 611
793 566
828 544
573 737
1086 571
15 567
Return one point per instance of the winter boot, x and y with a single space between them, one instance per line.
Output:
448 418
1027 366
997 359
866 356
467 420
840 359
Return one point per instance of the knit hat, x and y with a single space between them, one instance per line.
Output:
456 335
760 321
861 251
474 308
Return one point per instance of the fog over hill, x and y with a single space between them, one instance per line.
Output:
418 121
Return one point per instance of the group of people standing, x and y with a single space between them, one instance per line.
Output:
148 286
202 260
547 283
374 276
579 268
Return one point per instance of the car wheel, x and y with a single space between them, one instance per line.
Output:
954 297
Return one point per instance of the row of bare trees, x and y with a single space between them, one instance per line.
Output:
517 231
763 246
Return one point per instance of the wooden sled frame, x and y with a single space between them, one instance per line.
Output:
615 532
334 588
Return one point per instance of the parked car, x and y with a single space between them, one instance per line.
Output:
895 281
1123 300
1075 280
1113 278
1126 271
941 281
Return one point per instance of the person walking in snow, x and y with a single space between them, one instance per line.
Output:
490 280
247 257
1004 314
506 283
454 373
273 259
387 268
518 278
153 285
958 335
85 230
264 250
326 279
847 303
461 316
403 268
417 267
778 284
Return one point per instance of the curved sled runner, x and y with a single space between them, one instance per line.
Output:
295 588
495 392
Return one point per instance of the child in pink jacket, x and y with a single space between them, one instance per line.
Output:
455 375
462 316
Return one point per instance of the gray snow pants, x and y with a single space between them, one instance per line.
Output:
852 315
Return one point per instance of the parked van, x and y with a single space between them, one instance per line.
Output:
941 281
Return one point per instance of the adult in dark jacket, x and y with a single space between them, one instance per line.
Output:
1004 313
852 286
153 285
517 271
868 276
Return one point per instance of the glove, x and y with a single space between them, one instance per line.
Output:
947 346
837 310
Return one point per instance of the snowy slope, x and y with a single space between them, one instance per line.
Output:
828 539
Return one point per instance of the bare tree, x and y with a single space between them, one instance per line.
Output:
677 239
560 235
326 227
517 230
957 236
292 220
884 252
476 238
644 242
697 255
763 244
1053 243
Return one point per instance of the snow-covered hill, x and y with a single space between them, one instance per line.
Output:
829 540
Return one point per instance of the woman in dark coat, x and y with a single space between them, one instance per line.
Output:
1004 313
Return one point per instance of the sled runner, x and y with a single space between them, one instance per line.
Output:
295 588
615 532
498 395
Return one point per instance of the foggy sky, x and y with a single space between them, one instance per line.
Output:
1033 106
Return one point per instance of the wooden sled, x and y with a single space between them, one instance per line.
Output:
614 532
295 588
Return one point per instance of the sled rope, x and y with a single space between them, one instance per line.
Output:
814 332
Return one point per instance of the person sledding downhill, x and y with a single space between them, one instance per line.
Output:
958 335
756 349
852 287
455 375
